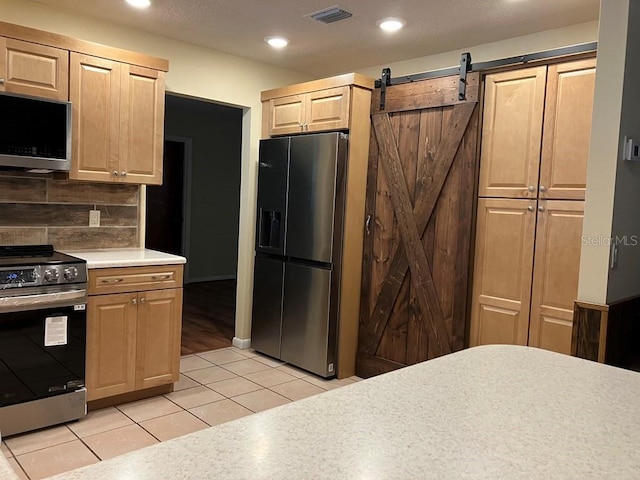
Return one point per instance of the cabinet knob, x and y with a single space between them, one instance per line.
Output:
123 173
134 301
115 173
543 188
530 208
1 81
143 300
531 188
541 208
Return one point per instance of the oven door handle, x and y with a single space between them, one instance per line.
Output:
39 301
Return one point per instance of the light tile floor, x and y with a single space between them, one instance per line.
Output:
214 387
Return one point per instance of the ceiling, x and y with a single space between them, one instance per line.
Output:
239 27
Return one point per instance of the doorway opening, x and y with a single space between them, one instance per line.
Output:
195 213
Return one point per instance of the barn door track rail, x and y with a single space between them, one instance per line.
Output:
467 66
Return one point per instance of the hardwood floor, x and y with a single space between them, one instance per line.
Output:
208 316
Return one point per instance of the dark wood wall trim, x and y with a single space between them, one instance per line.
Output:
607 333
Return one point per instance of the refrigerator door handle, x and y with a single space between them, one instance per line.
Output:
366 225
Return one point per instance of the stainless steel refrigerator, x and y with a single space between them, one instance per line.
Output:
301 192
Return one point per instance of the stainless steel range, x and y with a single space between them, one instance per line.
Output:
43 324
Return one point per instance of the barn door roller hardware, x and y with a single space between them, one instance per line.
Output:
385 81
466 66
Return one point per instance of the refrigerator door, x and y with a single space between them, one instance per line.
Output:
272 195
266 321
308 328
312 191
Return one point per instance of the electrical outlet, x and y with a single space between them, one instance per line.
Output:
94 218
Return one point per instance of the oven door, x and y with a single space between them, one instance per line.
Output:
42 345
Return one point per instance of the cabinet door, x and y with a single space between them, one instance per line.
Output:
287 115
142 125
31 69
502 272
511 133
555 274
95 95
111 345
327 110
567 130
158 337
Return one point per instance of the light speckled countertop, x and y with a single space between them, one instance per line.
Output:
125 257
495 412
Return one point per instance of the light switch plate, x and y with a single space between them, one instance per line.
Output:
94 218
631 150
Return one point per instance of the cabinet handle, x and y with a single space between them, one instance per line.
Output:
543 188
112 280
531 188
160 277
530 208
123 173
115 173
367 223
134 301
143 300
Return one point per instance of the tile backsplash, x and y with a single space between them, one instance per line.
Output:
36 209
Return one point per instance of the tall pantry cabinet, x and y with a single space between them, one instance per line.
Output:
535 147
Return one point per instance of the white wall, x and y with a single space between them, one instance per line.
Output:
624 279
537 42
193 71
604 150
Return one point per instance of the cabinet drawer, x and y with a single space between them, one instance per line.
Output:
134 279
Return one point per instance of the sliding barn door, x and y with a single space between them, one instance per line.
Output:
420 197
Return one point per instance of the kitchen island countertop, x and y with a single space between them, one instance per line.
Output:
125 257
498 412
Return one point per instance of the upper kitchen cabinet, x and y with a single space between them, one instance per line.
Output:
117 98
567 129
310 112
316 106
511 133
118 121
31 69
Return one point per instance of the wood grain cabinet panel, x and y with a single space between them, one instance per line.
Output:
512 133
503 269
133 337
31 69
95 96
111 345
158 337
318 111
567 130
118 121
142 125
555 274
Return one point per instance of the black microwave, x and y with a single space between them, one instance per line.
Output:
35 133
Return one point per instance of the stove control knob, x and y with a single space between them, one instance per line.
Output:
51 275
70 273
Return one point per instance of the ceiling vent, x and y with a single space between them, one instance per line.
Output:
330 15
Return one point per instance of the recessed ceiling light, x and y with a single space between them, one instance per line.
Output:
139 3
391 24
277 42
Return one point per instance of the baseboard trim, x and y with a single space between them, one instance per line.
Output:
210 279
242 343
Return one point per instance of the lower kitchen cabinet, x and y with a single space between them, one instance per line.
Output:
526 272
133 338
